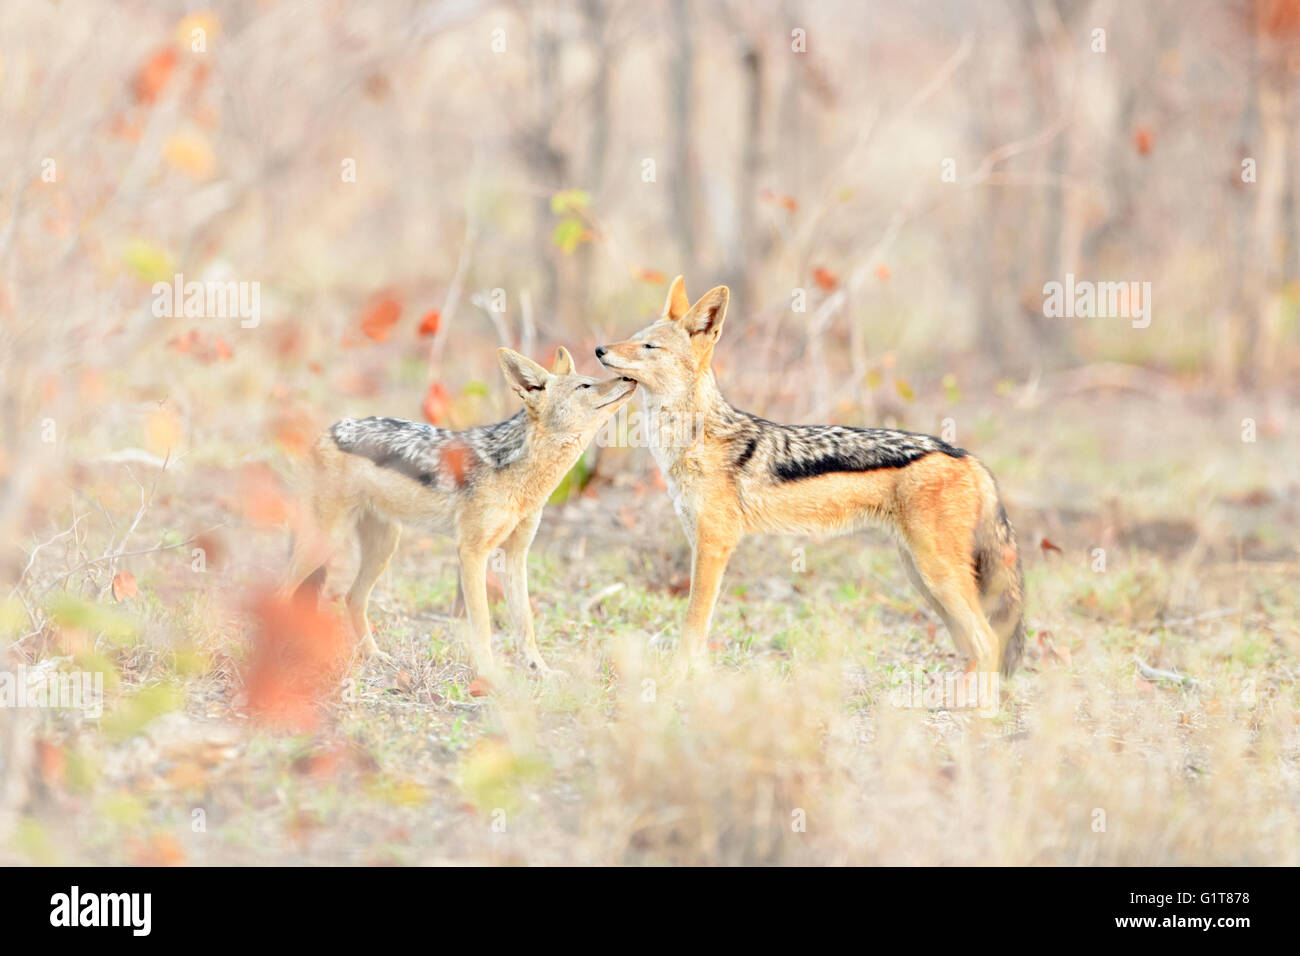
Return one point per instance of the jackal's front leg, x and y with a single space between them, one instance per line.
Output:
516 588
708 563
473 582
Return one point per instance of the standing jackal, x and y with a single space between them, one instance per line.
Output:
486 486
739 474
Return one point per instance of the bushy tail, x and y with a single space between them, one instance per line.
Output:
1001 582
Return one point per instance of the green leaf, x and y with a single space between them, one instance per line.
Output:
69 611
572 483
569 200
131 716
147 260
567 235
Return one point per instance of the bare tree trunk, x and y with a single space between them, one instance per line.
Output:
598 146
1231 317
546 164
683 74
1264 270
745 251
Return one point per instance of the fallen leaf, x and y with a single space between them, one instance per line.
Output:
161 849
51 763
788 203
380 317
824 278
124 586
429 324
1048 546
299 652
435 404
190 153
457 459
1142 140
152 77
163 431
204 20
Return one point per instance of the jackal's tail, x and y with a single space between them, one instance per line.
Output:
1001 582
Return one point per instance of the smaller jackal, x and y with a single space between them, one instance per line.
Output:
486 486
735 474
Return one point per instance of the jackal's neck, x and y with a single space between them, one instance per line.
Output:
678 423
546 456
703 402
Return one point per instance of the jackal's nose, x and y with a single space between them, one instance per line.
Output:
600 351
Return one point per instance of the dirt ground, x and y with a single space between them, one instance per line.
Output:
1154 719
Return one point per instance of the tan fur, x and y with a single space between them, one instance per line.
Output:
944 508
498 508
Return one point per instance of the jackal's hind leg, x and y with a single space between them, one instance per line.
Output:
315 544
951 584
378 538
914 575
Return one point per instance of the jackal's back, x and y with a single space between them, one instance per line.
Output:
436 458
782 453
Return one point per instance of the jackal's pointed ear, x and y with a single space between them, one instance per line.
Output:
676 305
563 364
525 376
706 315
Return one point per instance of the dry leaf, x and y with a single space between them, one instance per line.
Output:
378 320
124 586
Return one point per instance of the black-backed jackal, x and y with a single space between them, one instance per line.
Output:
738 474
486 486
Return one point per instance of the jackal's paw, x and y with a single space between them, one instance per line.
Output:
536 667
370 651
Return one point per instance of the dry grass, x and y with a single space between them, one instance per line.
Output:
228 164
796 748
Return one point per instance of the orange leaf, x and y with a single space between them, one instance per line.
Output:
882 272
261 498
429 324
153 76
1142 140
825 278
161 849
1048 546
294 433
380 318
788 203
212 547
51 760
457 459
478 687
124 586
299 652
436 403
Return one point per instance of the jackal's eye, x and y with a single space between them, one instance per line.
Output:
585 385
647 345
